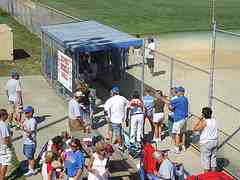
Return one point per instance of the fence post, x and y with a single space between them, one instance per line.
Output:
212 65
171 75
143 67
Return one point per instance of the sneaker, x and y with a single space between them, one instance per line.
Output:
155 139
184 148
176 150
121 148
30 172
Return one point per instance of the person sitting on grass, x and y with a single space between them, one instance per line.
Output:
29 128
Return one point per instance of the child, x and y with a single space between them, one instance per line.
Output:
29 127
48 171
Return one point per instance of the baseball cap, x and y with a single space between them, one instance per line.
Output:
14 72
79 94
180 89
115 89
28 109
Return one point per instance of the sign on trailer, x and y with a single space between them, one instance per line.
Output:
65 70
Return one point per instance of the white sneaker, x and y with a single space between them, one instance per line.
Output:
30 172
184 148
176 150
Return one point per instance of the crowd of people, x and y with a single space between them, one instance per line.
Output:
65 155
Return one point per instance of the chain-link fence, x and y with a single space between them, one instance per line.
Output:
225 94
34 15
170 72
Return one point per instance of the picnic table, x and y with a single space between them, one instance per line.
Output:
121 165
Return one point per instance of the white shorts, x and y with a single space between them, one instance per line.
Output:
5 156
177 126
157 117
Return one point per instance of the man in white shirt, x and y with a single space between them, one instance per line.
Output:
74 115
151 54
116 108
14 93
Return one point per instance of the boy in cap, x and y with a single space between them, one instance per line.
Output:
29 128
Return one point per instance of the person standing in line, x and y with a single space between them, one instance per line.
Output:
207 125
116 111
151 54
29 128
14 94
106 107
74 115
5 144
179 107
158 117
148 101
136 111
74 160
173 95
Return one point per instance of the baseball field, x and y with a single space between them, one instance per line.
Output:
152 16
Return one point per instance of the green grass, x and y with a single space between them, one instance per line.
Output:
152 16
23 39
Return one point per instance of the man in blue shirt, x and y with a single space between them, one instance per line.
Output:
148 101
179 106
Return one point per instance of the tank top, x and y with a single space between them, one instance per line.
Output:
210 132
100 165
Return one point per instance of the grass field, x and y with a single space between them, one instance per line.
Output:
152 16
23 39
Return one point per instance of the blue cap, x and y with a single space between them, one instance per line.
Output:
180 89
28 109
115 89
14 72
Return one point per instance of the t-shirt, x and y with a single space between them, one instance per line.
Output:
4 132
166 170
73 161
149 162
12 87
148 103
210 132
180 108
150 51
30 124
73 109
116 108
46 169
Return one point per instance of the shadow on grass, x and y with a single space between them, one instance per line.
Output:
20 54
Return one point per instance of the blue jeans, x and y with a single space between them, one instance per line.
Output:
117 129
29 151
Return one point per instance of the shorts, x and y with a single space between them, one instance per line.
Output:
150 62
177 126
5 156
149 114
12 106
75 125
29 151
117 129
157 117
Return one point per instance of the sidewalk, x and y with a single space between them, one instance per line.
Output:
52 110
